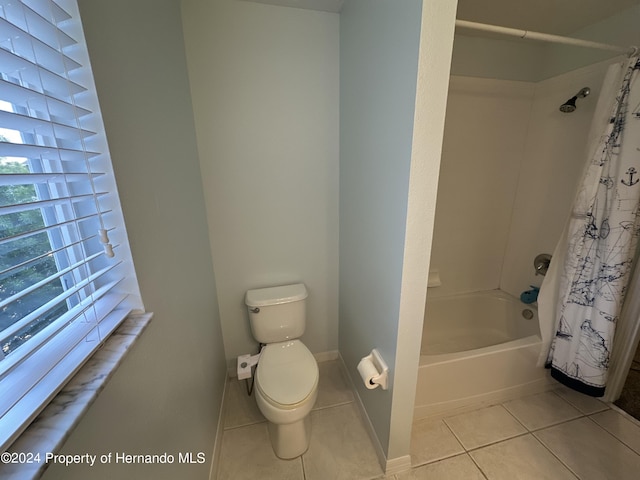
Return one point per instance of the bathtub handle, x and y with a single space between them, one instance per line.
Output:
541 263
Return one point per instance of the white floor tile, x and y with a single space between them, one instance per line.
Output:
591 452
340 446
620 427
246 453
484 426
521 458
240 408
333 388
460 467
605 445
541 410
582 402
432 440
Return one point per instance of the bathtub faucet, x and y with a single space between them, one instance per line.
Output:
541 263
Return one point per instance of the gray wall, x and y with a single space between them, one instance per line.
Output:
265 88
166 396
378 72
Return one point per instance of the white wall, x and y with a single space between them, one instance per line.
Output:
264 83
167 394
378 72
505 58
479 54
511 164
620 29
484 141
512 156
553 161
436 44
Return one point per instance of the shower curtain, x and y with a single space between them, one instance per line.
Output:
582 294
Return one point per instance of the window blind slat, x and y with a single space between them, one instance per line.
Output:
27 206
46 30
82 331
31 125
36 399
45 55
26 320
58 108
38 151
63 286
48 9
46 254
49 228
38 178
12 65
45 281
109 301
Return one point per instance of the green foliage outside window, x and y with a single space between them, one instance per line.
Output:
21 251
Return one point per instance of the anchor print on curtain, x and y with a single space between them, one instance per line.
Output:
602 238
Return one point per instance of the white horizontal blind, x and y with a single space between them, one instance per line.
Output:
66 278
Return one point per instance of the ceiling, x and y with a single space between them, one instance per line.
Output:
560 17
333 6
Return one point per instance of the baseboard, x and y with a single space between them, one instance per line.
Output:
232 371
390 466
397 465
326 356
215 457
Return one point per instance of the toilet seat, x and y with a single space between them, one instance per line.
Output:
287 373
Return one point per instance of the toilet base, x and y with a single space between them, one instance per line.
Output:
290 440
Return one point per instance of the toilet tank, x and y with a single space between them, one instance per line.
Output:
277 314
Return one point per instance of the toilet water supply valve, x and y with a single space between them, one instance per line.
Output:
245 362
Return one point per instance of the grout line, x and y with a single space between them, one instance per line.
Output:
428 462
623 413
561 422
523 434
449 457
440 459
514 417
304 473
339 404
615 436
532 430
250 424
548 449
444 420
486 476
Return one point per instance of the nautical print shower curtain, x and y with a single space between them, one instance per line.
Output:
598 256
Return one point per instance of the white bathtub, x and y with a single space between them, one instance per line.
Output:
477 348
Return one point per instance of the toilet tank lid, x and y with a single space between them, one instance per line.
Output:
263 297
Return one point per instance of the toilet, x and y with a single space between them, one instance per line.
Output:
286 378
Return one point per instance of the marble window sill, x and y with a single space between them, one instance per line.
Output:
49 431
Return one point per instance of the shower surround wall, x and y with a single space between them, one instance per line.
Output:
511 162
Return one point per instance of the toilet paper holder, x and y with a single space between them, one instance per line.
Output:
381 375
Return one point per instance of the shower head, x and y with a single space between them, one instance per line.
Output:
570 105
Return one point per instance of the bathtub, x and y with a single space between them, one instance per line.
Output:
477 348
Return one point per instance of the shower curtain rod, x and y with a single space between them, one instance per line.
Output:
545 37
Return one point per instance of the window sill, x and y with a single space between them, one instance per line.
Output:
49 431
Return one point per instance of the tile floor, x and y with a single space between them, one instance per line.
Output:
555 435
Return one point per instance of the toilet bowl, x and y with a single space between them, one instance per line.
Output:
286 389
286 378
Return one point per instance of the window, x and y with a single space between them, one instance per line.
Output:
66 276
